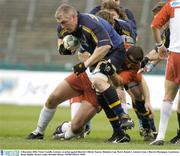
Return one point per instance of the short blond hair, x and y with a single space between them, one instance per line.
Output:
65 9
111 5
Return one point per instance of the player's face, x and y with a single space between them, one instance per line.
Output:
114 14
68 22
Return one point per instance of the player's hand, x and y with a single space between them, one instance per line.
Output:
148 68
163 52
148 107
107 68
79 68
64 51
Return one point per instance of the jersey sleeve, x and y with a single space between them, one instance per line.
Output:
95 10
132 19
98 33
162 17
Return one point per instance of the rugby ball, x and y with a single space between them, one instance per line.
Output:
71 43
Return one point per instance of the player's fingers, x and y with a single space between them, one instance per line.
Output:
141 70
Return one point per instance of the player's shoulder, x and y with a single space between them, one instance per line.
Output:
88 20
95 9
123 23
87 17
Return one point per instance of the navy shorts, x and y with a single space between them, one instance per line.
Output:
117 56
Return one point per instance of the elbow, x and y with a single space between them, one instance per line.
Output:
108 47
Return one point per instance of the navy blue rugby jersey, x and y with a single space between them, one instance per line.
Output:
93 31
125 28
127 11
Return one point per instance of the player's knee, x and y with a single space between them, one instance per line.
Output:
99 84
52 101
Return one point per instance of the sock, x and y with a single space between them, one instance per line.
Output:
164 117
152 124
124 106
45 116
142 113
69 134
145 123
140 123
65 126
113 119
138 116
178 118
74 108
113 101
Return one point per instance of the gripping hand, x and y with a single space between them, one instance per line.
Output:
144 62
79 68
107 68
64 51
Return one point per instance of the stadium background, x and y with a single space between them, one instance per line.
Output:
28 37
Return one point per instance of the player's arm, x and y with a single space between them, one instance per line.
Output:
83 56
99 54
146 94
60 41
150 61
116 80
153 55
158 22
100 37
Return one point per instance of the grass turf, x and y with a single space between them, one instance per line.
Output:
16 122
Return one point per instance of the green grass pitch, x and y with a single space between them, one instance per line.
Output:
16 122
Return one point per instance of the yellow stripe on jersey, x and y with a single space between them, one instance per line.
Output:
113 119
126 32
62 32
93 17
90 32
115 104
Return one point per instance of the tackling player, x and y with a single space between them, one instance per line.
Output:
101 40
128 13
122 26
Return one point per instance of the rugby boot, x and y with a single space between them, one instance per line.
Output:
176 139
35 135
157 142
58 133
148 135
84 133
126 122
119 138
